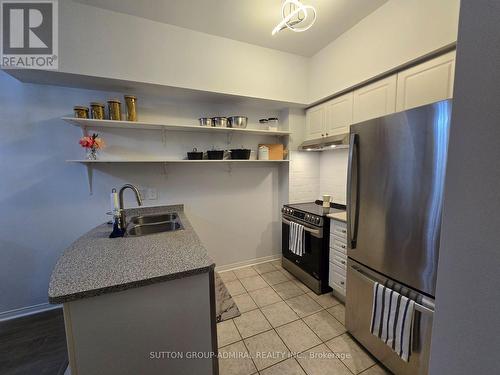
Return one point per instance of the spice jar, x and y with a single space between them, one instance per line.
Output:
81 112
114 109
130 102
97 111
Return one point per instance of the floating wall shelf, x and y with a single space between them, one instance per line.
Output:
230 161
86 124
103 124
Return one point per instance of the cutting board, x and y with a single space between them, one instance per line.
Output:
276 151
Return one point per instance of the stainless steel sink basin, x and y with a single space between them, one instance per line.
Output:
151 224
153 219
144 229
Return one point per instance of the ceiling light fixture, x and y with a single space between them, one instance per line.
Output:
295 13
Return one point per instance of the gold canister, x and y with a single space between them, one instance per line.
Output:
114 109
131 103
97 111
81 112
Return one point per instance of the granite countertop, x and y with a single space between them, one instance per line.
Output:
341 216
96 264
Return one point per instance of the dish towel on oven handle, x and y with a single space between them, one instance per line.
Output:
296 239
392 319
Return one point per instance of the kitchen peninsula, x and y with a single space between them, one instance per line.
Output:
125 300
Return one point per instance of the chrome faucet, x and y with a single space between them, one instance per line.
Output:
123 219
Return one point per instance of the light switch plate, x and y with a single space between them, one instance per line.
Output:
152 194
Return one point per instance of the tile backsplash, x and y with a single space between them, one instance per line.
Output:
304 176
313 174
333 174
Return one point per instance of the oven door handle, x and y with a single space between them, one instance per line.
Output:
313 231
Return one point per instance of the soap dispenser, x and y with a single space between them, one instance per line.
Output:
115 210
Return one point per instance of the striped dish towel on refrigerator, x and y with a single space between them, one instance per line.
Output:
392 319
296 239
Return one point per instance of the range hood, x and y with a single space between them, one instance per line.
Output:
326 143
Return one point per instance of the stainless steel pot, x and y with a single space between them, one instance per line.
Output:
238 121
205 121
219 122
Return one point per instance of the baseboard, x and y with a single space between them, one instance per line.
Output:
29 310
246 263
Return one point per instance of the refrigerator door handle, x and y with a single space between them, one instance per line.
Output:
418 306
352 219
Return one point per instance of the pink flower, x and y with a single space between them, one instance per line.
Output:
86 142
92 142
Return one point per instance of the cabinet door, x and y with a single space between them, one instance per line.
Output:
426 83
315 122
375 100
338 115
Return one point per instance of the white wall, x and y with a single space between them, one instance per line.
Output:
313 174
333 174
396 33
466 331
46 204
102 43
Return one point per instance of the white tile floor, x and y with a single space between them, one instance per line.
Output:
285 329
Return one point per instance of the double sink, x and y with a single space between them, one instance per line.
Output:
152 224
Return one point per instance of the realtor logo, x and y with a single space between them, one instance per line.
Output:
29 34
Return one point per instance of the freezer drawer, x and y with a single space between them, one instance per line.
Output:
359 297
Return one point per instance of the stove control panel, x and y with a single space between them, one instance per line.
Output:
309 218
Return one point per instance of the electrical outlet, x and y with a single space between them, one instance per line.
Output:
152 194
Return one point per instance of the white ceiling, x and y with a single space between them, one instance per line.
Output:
250 21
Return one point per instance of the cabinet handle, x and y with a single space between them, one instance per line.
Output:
344 231
343 246
326 133
343 262
342 283
322 135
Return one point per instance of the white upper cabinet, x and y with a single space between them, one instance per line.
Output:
315 122
338 115
422 84
330 118
426 83
375 100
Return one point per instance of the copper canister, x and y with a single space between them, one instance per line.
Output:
97 111
114 109
81 112
131 103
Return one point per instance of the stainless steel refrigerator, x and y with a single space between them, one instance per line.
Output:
395 189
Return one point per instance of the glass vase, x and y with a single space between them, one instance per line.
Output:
91 154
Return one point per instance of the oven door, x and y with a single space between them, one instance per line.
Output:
311 261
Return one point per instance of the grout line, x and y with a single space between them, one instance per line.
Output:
274 328
334 315
248 351
312 330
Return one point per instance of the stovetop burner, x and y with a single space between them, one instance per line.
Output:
310 213
313 208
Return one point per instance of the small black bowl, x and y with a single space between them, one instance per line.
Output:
215 155
240 154
195 155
